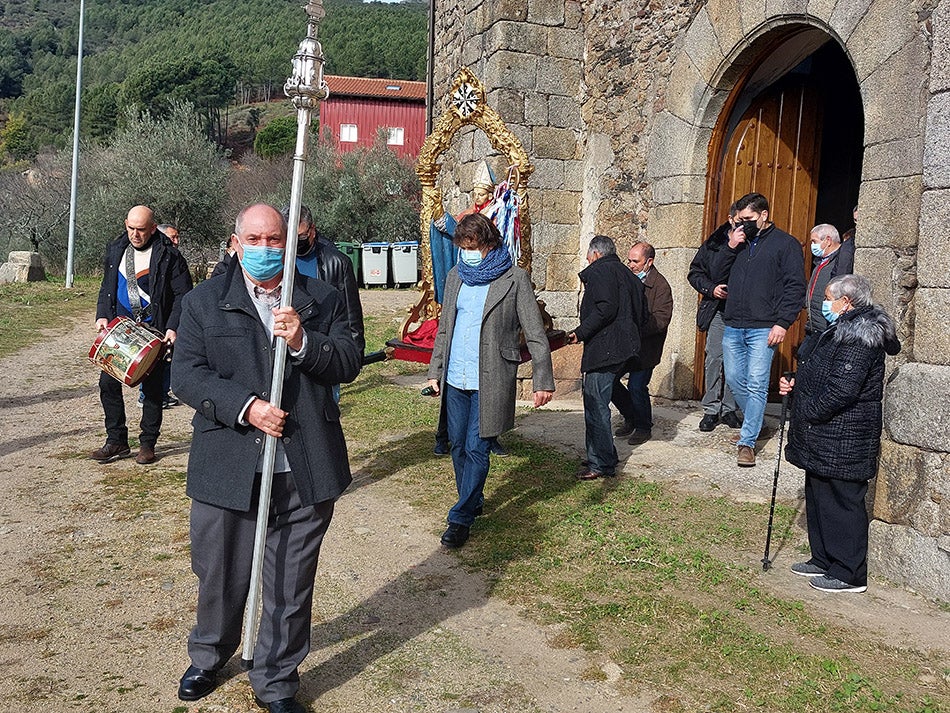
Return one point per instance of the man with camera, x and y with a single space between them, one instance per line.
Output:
766 291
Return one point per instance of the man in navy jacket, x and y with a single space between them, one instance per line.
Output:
766 292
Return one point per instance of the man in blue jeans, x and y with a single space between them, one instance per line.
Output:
613 310
766 291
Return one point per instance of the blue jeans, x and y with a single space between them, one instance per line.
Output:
469 453
601 453
747 358
633 402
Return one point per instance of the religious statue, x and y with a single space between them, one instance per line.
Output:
504 202
442 229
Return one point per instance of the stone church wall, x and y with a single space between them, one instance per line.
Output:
615 103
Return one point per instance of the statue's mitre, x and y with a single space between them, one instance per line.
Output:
484 178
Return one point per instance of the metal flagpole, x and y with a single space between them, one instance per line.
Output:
71 242
305 88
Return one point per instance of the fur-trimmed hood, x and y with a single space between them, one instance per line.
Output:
871 326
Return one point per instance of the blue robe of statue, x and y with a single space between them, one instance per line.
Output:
444 253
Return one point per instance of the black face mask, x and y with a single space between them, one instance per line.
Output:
749 227
304 247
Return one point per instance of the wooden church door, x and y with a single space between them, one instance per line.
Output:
774 150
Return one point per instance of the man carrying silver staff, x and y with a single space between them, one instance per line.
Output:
226 343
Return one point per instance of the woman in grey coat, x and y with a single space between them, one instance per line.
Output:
835 432
476 355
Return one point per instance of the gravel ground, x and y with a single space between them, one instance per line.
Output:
98 596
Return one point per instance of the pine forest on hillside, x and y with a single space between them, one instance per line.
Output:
209 53
175 94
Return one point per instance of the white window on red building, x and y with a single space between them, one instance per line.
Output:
348 133
396 136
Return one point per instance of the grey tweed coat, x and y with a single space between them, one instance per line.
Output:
510 305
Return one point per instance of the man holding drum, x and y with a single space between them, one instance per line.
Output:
144 278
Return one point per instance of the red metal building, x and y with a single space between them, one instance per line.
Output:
359 108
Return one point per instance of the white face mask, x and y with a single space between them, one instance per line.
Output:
470 257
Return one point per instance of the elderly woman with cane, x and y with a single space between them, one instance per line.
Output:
835 431
476 355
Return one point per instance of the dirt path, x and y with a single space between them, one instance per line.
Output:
98 596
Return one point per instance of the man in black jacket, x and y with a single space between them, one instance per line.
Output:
319 258
144 278
612 311
766 292
718 402
229 330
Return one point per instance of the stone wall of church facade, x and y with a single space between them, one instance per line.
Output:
616 104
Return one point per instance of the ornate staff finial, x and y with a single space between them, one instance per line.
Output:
306 87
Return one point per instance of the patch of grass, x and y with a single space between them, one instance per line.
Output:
27 308
666 585
135 490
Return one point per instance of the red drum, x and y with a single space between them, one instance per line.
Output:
127 350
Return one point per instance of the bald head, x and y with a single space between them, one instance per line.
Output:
640 257
259 225
140 225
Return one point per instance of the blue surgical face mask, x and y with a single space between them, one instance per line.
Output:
817 250
262 262
470 257
826 310
642 274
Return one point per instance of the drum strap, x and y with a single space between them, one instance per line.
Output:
131 281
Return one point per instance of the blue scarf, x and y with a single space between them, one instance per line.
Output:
495 264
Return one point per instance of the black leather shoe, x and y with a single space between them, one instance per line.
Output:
455 536
639 436
286 705
732 420
624 430
196 683
709 422
498 450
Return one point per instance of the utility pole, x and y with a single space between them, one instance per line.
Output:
71 243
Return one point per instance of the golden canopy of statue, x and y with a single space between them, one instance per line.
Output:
465 106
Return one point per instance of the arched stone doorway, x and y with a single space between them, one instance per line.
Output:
792 128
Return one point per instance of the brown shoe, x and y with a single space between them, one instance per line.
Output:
145 455
110 452
589 475
745 457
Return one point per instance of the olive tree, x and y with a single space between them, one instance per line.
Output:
163 160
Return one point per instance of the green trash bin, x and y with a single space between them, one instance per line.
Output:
353 252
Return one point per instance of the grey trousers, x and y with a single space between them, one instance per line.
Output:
222 544
713 402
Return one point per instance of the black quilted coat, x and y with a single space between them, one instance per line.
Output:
836 420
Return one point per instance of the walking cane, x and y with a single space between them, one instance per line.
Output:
306 88
766 562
